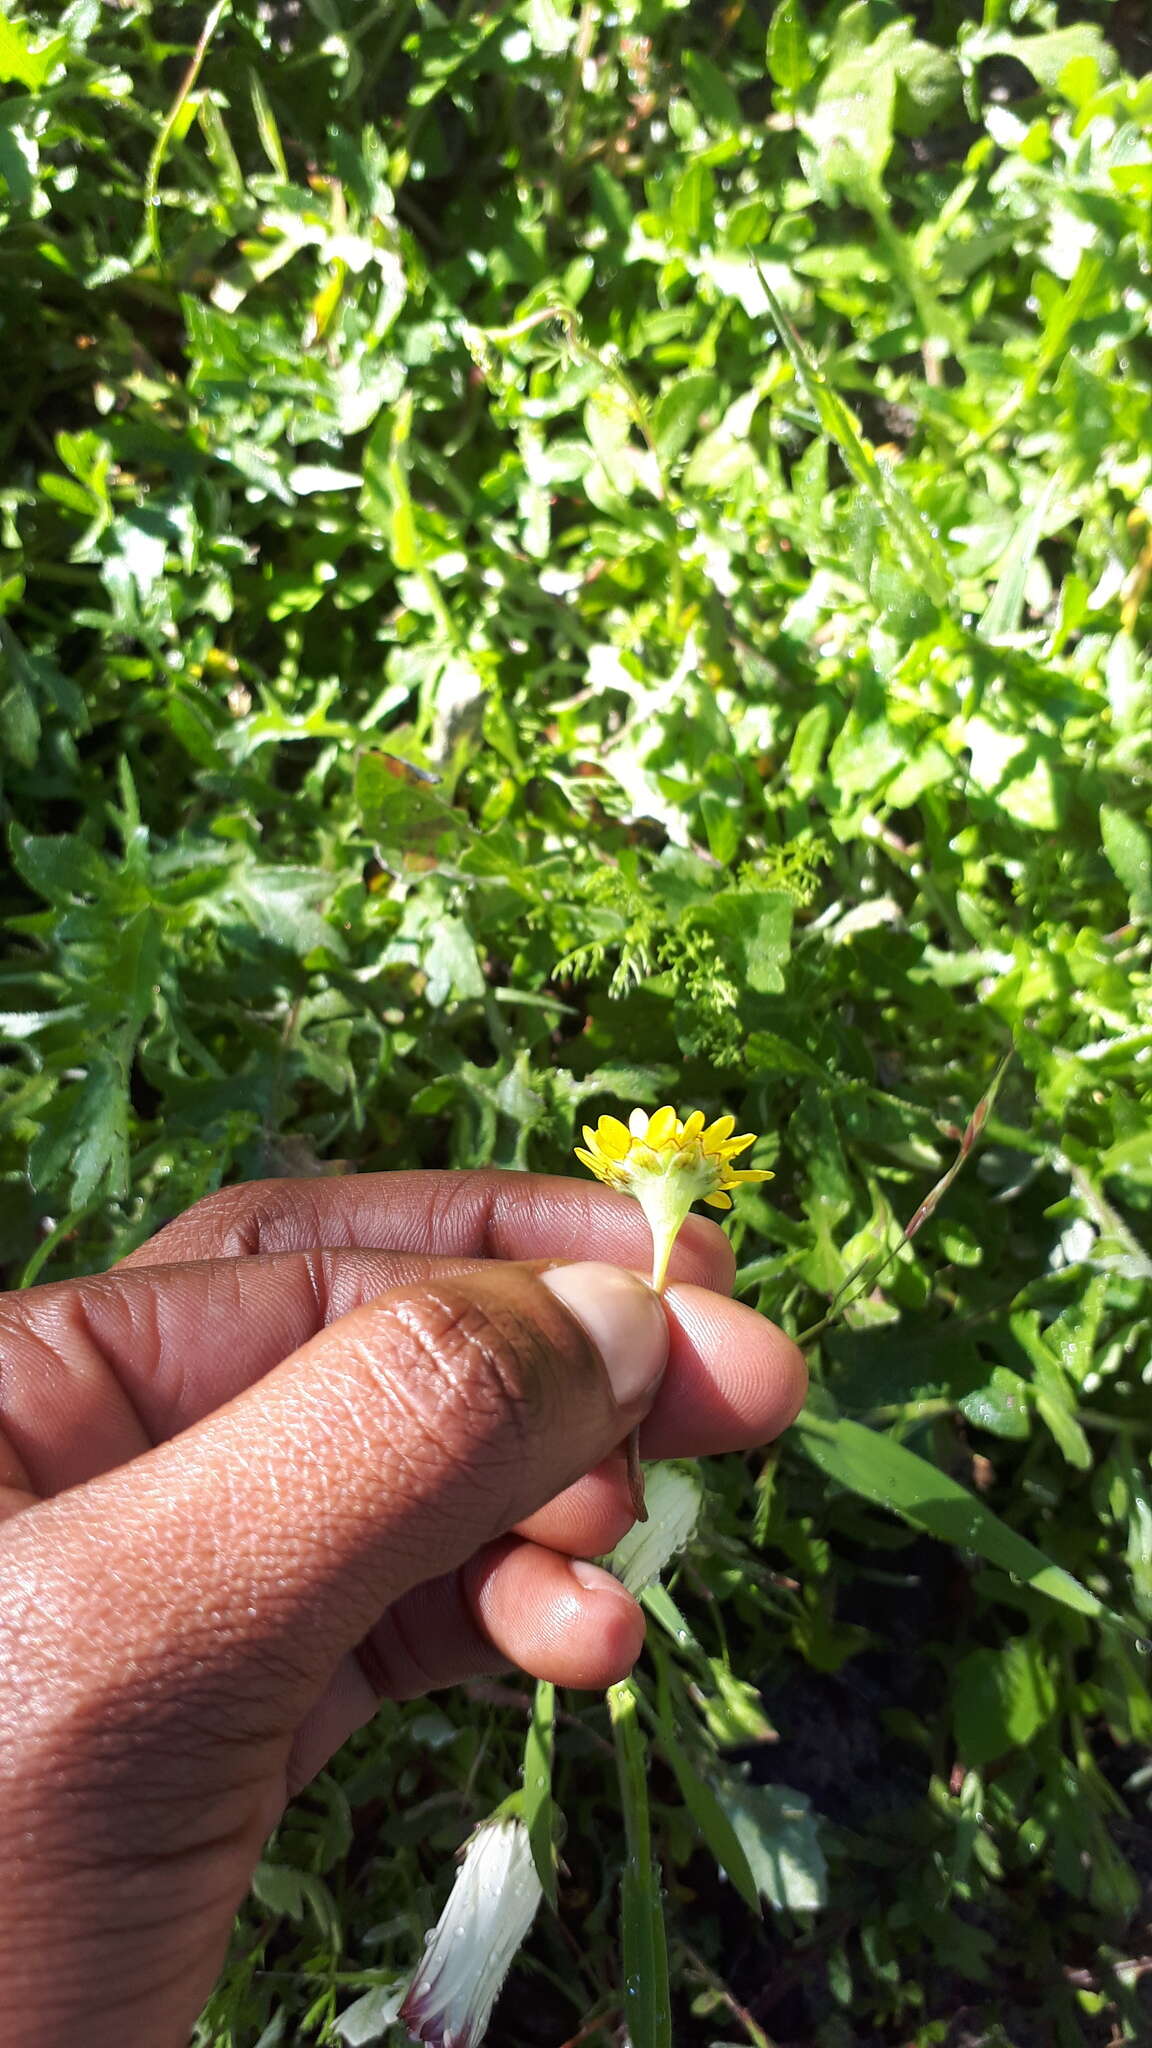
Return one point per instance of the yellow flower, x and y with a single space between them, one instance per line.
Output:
668 1164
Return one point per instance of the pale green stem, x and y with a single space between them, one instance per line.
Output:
662 1249
647 2002
152 176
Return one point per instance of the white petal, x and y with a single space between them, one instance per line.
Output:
466 1957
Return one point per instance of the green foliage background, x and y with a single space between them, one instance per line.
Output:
717 443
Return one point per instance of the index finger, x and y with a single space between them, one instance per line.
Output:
488 1214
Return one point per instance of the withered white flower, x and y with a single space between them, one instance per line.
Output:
467 1955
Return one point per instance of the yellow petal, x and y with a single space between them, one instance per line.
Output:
587 1159
718 1201
662 1126
693 1124
748 1176
718 1133
638 1123
613 1137
736 1146
590 1136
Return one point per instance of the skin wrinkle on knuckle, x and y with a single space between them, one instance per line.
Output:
80 1320
255 1228
423 1459
213 1212
456 1393
512 1204
318 1270
484 1371
241 1222
12 1464
59 1336
457 1212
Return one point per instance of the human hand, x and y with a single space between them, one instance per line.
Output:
319 1443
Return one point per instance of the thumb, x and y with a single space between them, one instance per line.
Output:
236 1564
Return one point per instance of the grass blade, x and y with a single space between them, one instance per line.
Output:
537 1805
647 2003
893 1477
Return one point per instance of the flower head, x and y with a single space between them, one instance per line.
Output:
467 1955
668 1164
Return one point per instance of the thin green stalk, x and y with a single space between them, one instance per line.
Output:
151 209
660 1264
647 2000
844 1299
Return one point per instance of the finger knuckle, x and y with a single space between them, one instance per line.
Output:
472 1382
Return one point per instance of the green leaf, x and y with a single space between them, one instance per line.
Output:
724 825
809 743
450 960
1131 1157
297 1894
789 53
1005 607
1057 1412
1054 1400
850 125
19 725
885 1472
1002 1407
759 924
679 410
404 812
282 904
734 1710
65 869
647 2002
692 212
909 531
714 1823
536 1805
1129 849
1047 56
20 63
90 1140
1001 1699
266 126
776 1829
711 93
769 1052
370 2018
310 477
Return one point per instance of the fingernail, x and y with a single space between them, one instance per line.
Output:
596 1580
623 1318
